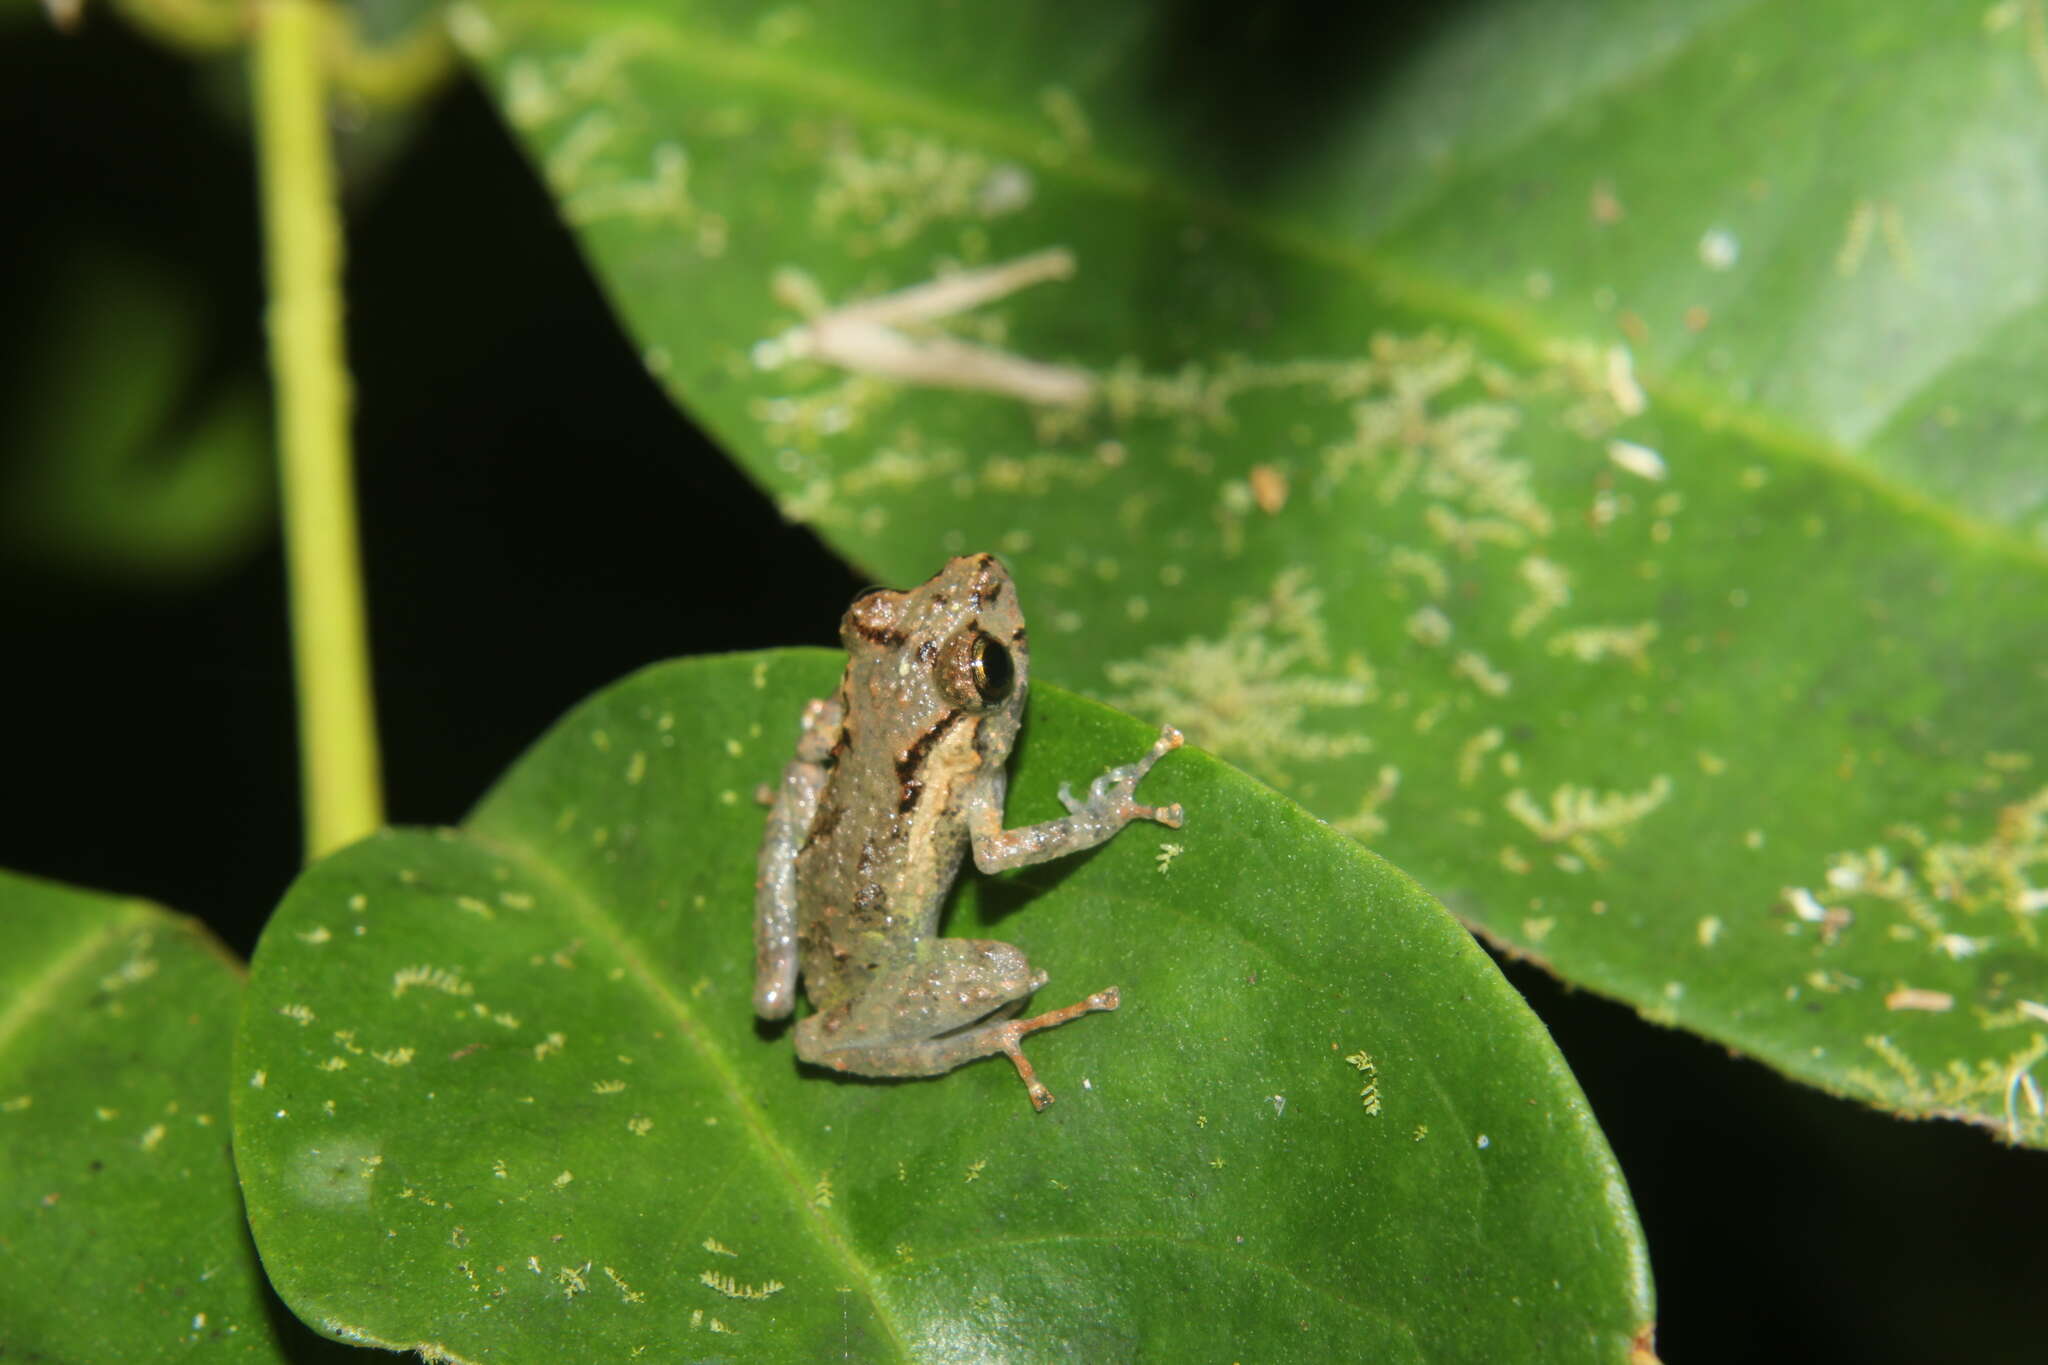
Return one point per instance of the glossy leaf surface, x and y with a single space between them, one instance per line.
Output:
1587 450
501 1093
121 1234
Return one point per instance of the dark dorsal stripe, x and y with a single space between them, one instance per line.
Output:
884 636
912 759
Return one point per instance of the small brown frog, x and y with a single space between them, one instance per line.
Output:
896 777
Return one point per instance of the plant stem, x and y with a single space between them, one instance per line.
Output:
302 237
194 26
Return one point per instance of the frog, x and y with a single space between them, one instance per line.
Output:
898 777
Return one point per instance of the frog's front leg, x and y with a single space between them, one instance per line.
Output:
1109 807
793 807
915 1020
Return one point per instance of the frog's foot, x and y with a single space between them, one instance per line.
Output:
1112 796
1007 1037
950 1009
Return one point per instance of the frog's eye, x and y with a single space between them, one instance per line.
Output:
994 672
974 669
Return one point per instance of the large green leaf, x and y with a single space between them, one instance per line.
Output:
121 1235
503 1096
1552 454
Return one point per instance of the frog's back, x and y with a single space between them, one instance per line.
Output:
922 735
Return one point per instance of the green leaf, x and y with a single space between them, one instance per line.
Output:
504 1095
132 465
121 1234
1560 456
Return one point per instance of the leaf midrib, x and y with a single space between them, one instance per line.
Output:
1400 282
831 1231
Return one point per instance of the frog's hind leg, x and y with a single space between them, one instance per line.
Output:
1007 1038
948 1008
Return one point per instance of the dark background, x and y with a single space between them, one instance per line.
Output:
538 521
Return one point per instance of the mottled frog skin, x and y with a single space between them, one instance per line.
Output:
896 779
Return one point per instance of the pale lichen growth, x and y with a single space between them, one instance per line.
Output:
725 1284
1592 644
1429 627
1426 569
1579 815
659 196
429 978
1366 822
1468 536
1252 692
1030 475
1449 452
1473 753
1550 587
1916 884
626 1292
1995 1091
1473 666
1599 381
1917 998
1199 397
849 498
887 191
806 419
1369 1073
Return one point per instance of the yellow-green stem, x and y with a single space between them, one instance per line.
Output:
302 240
191 25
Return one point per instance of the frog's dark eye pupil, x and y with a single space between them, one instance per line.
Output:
994 672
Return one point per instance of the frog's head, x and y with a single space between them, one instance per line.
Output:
953 643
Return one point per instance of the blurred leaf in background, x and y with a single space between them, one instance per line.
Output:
129 456
1577 447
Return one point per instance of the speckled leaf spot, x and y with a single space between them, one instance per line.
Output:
592 1151
1579 549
